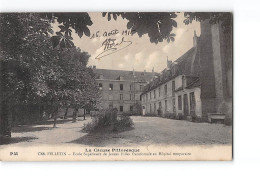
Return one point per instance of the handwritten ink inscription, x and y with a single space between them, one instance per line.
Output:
112 45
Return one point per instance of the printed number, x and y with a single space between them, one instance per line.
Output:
13 153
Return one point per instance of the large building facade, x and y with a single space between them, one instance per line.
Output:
199 82
174 91
122 89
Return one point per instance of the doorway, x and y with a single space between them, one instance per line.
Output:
186 106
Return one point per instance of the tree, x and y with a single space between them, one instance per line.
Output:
80 86
33 73
24 55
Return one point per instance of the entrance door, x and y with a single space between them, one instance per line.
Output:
186 108
160 108
143 110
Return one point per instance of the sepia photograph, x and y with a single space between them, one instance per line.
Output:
110 86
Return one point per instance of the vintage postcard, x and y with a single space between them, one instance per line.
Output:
116 86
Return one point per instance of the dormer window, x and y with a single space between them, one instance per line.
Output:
183 81
120 78
110 86
100 86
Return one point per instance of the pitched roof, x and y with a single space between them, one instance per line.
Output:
184 63
184 66
126 75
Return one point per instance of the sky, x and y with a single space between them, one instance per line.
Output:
141 54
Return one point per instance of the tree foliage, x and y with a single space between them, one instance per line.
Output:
158 26
79 22
225 18
35 73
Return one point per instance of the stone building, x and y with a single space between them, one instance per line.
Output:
199 82
122 89
173 91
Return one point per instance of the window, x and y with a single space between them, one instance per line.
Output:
165 89
146 97
192 101
110 86
159 91
150 108
141 87
121 108
150 95
154 108
121 96
130 86
166 107
100 86
154 94
173 87
179 102
121 86
131 97
111 105
173 105
131 108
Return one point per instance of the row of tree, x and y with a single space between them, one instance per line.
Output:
38 72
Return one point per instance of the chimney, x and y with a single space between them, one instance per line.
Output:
94 67
175 64
168 63
153 73
143 73
133 72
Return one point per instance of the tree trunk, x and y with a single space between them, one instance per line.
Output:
5 120
75 115
85 111
54 115
66 112
54 121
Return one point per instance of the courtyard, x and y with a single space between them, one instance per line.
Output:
146 131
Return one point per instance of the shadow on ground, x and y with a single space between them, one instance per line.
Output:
35 126
50 122
29 128
102 137
13 140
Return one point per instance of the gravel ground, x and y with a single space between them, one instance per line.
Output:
160 131
146 131
65 132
